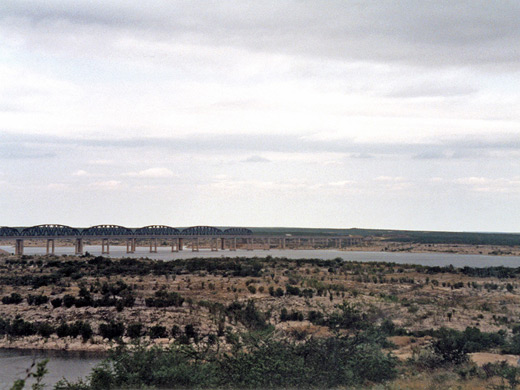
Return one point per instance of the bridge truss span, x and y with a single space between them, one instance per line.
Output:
6 231
201 231
107 230
50 231
157 230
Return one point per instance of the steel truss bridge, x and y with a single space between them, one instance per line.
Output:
194 236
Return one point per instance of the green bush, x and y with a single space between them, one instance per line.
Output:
12 299
451 347
56 302
157 332
264 363
37 300
112 330
134 330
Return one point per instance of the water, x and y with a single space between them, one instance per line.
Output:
71 365
429 259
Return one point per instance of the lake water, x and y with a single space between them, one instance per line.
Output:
71 365
431 259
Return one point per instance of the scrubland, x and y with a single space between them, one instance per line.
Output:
417 327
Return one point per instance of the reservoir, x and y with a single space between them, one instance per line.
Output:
428 259
71 365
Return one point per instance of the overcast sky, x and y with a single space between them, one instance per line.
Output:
376 114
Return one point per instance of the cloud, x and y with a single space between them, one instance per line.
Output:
81 173
57 186
426 90
440 147
153 173
100 162
106 185
256 159
490 185
342 183
427 33
22 152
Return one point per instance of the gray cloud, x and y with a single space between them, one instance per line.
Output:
429 33
26 146
256 159
19 150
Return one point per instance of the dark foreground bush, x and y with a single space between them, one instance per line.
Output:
263 363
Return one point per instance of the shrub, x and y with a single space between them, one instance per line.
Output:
191 333
263 363
85 331
68 301
44 329
163 298
134 330
112 330
12 299
157 332
292 290
451 347
19 327
37 300
56 302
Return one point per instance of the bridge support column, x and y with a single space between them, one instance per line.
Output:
153 245
105 246
195 244
181 244
250 244
223 243
339 243
50 246
78 246
233 244
130 245
18 248
282 243
175 245
214 244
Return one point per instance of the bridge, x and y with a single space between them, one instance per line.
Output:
177 238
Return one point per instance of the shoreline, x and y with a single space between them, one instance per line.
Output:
378 247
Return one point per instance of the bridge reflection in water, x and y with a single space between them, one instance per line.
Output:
194 237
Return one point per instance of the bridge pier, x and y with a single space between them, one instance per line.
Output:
50 246
213 244
181 244
282 243
233 244
130 245
250 244
153 245
195 244
105 243
222 243
78 246
18 248
175 245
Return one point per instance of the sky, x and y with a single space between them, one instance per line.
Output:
379 114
